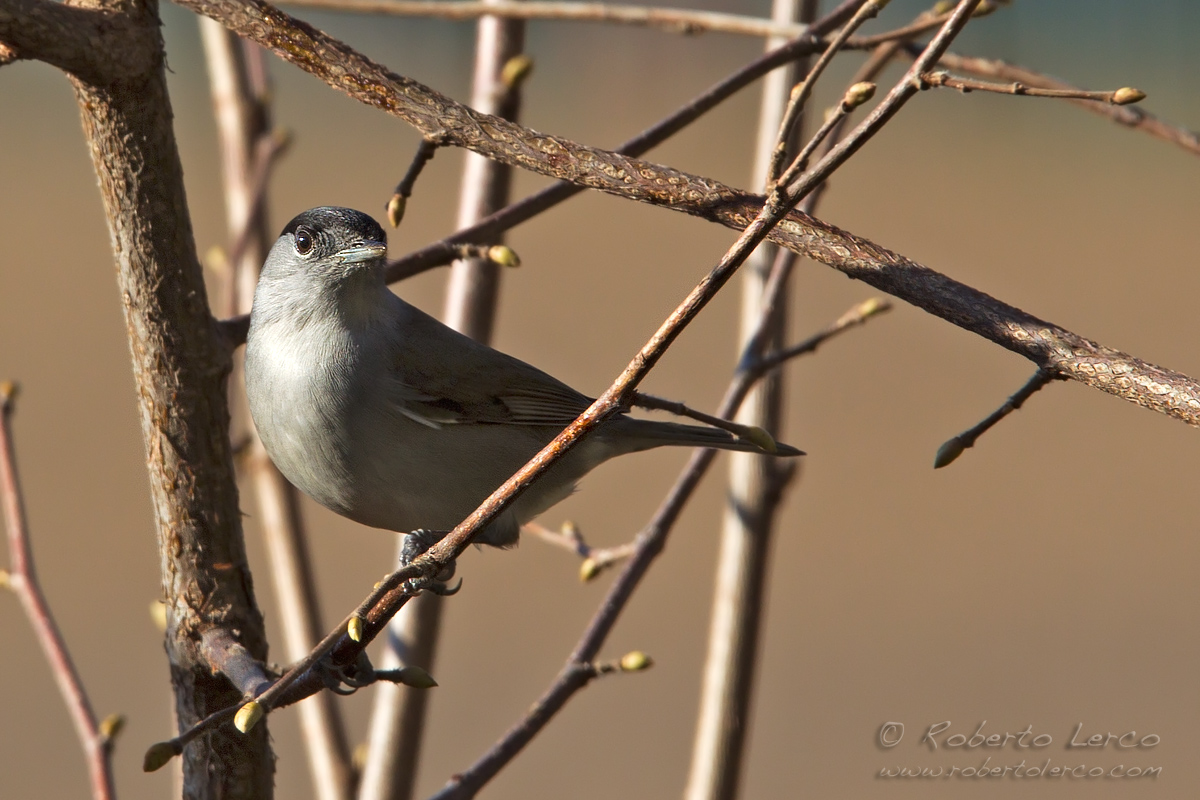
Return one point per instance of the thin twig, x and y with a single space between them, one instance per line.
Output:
1117 97
800 94
399 202
676 20
569 537
1129 116
672 20
954 447
22 580
750 433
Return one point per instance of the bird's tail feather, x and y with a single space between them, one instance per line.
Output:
653 433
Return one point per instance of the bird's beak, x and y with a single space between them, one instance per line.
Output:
367 251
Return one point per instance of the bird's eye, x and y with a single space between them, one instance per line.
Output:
304 242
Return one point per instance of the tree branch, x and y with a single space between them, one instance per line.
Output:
23 581
1129 116
92 43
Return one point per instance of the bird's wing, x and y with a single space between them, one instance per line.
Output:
441 377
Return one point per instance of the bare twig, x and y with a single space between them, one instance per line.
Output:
1118 97
673 20
569 537
677 20
1129 116
23 581
800 94
954 447
399 202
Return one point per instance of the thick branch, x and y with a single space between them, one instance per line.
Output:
180 366
98 45
1046 345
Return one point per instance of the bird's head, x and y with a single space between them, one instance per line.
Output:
328 245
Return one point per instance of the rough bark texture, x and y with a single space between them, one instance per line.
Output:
180 365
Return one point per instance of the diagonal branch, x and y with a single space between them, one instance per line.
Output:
1045 344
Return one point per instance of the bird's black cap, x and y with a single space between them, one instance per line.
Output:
342 223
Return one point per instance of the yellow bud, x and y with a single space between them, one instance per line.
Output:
952 449
158 755
942 7
158 615
355 628
359 757
1126 95
5 582
872 306
516 71
111 726
759 438
395 209
8 391
216 259
417 678
248 716
503 255
635 661
588 570
858 94
984 8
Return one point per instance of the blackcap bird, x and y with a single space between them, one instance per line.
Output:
384 415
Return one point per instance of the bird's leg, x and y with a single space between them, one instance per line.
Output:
415 545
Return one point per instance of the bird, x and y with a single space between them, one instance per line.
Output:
386 416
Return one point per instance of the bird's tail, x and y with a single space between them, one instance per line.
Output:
654 433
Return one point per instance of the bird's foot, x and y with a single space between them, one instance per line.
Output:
415 545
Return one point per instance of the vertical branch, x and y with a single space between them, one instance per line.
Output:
180 366
238 84
398 719
24 583
755 487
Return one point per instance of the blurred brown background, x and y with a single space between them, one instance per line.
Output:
1047 578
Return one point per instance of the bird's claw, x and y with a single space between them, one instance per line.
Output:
415 545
